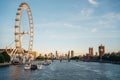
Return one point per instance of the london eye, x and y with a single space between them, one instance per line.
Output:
19 53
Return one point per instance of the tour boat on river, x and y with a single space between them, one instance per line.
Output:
39 66
27 66
33 67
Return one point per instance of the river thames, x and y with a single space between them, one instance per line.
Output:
63 71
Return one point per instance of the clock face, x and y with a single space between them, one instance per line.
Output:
101 49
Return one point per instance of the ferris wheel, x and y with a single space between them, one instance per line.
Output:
18 53
19 33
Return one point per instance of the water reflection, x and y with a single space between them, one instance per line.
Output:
18 73
64 71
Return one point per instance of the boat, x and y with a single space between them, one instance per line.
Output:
39 66
33 67
15 62
47 62
27 66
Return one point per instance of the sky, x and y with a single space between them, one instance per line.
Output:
64 25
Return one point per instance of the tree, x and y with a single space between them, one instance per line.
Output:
40 58
1 58
74 58
5 56
106 56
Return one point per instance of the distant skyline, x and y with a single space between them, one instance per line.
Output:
65 25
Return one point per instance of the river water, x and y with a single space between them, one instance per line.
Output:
63 71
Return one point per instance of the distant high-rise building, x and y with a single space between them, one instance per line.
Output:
96 54
68 55
50 55
101 50
56 55
72 53
40 55
45 56
91 51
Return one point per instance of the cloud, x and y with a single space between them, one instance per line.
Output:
80 36
109 20
94 30
93 2
92 26
57 25
86 12
68 25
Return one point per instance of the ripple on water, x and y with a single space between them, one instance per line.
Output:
64 71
